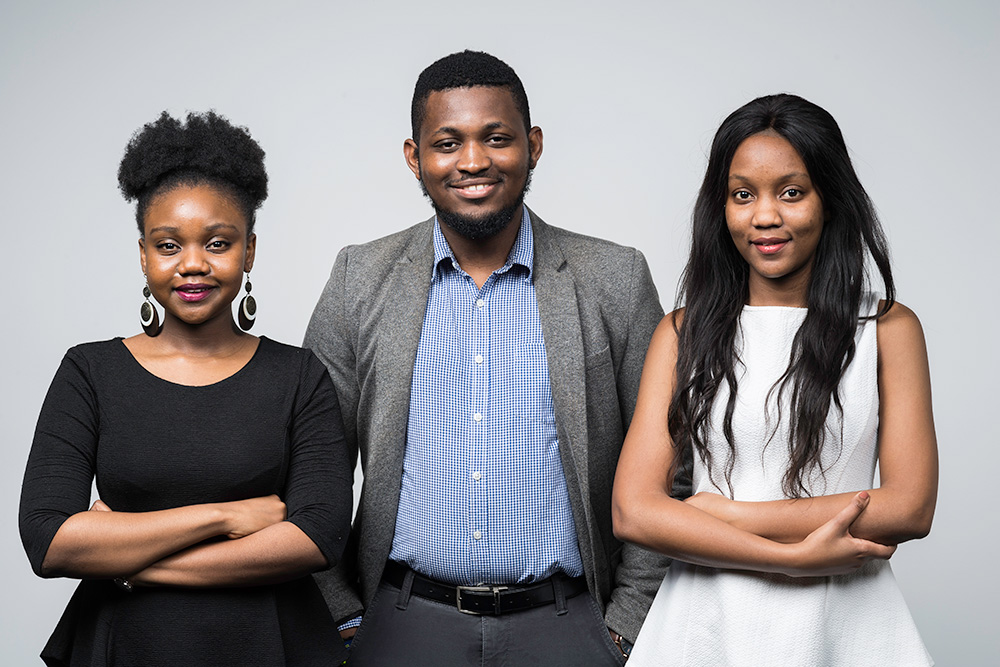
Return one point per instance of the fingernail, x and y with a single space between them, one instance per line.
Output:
864 495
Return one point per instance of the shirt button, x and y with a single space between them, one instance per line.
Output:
480 303
476 534
478 417
479 358
477 475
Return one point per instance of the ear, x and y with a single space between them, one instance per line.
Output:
142 254
534 145
412 155
251 252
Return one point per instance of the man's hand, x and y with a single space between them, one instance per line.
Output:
623 644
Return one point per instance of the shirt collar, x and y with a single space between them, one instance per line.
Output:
522 253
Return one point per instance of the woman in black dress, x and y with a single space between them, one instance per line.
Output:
220 462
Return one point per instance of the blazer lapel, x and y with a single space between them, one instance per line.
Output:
398 336
559 311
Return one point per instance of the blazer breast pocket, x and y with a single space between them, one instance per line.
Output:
598 359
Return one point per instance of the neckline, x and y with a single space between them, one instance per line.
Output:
774 308
239 371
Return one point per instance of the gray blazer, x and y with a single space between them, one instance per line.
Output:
598 309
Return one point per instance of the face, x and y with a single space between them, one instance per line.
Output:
774 214
474 158
195 253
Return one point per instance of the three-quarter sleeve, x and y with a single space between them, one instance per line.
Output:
318 488
60 470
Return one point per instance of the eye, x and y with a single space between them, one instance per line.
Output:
793 193
446 146
498 140
167 246
218 244
742 195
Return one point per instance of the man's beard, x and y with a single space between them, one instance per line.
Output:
479 227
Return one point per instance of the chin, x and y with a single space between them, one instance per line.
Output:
480 226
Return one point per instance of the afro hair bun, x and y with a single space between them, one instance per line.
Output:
207 148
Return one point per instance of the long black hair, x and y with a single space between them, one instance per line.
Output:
714 288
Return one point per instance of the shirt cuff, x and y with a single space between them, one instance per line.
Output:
353 623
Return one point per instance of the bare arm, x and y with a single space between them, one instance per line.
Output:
644 512
903 506
637 577
280 552
106 544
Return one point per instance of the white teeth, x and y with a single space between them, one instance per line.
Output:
474 188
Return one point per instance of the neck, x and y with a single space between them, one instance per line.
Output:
481 257
217 338
790 291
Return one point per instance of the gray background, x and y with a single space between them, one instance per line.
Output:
628 94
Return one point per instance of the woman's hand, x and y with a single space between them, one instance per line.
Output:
99 506
245 517
831 549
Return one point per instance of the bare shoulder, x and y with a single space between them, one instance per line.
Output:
663 346
900 335
899 324
670 326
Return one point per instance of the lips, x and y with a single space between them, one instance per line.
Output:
769 246
194 291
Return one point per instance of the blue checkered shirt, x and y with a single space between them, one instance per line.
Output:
483 496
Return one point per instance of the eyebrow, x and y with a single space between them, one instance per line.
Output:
786 177
447 129
166 229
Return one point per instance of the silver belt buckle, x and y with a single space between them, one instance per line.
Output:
479 589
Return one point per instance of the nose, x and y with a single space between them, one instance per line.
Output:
473 158
766 213
192 262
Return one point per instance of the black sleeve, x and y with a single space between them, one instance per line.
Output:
60 470
318 490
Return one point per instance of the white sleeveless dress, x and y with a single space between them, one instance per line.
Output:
714 617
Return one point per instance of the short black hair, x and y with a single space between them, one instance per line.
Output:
464 70
206 150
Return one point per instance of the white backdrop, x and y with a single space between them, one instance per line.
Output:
628 94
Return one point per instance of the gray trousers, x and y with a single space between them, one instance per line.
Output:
400 629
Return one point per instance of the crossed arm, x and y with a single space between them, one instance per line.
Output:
817 536
238 543
902 507
168 547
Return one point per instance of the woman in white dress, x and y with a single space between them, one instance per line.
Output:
780 383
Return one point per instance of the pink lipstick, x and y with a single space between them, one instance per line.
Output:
194 291
769 246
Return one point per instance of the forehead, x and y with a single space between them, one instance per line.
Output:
470 109
193 205
764 154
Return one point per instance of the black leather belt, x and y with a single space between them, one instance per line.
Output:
486 600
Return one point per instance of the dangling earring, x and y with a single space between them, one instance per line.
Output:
248 308
148 315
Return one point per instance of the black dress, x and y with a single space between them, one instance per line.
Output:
273 427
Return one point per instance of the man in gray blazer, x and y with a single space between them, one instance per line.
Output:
487 366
